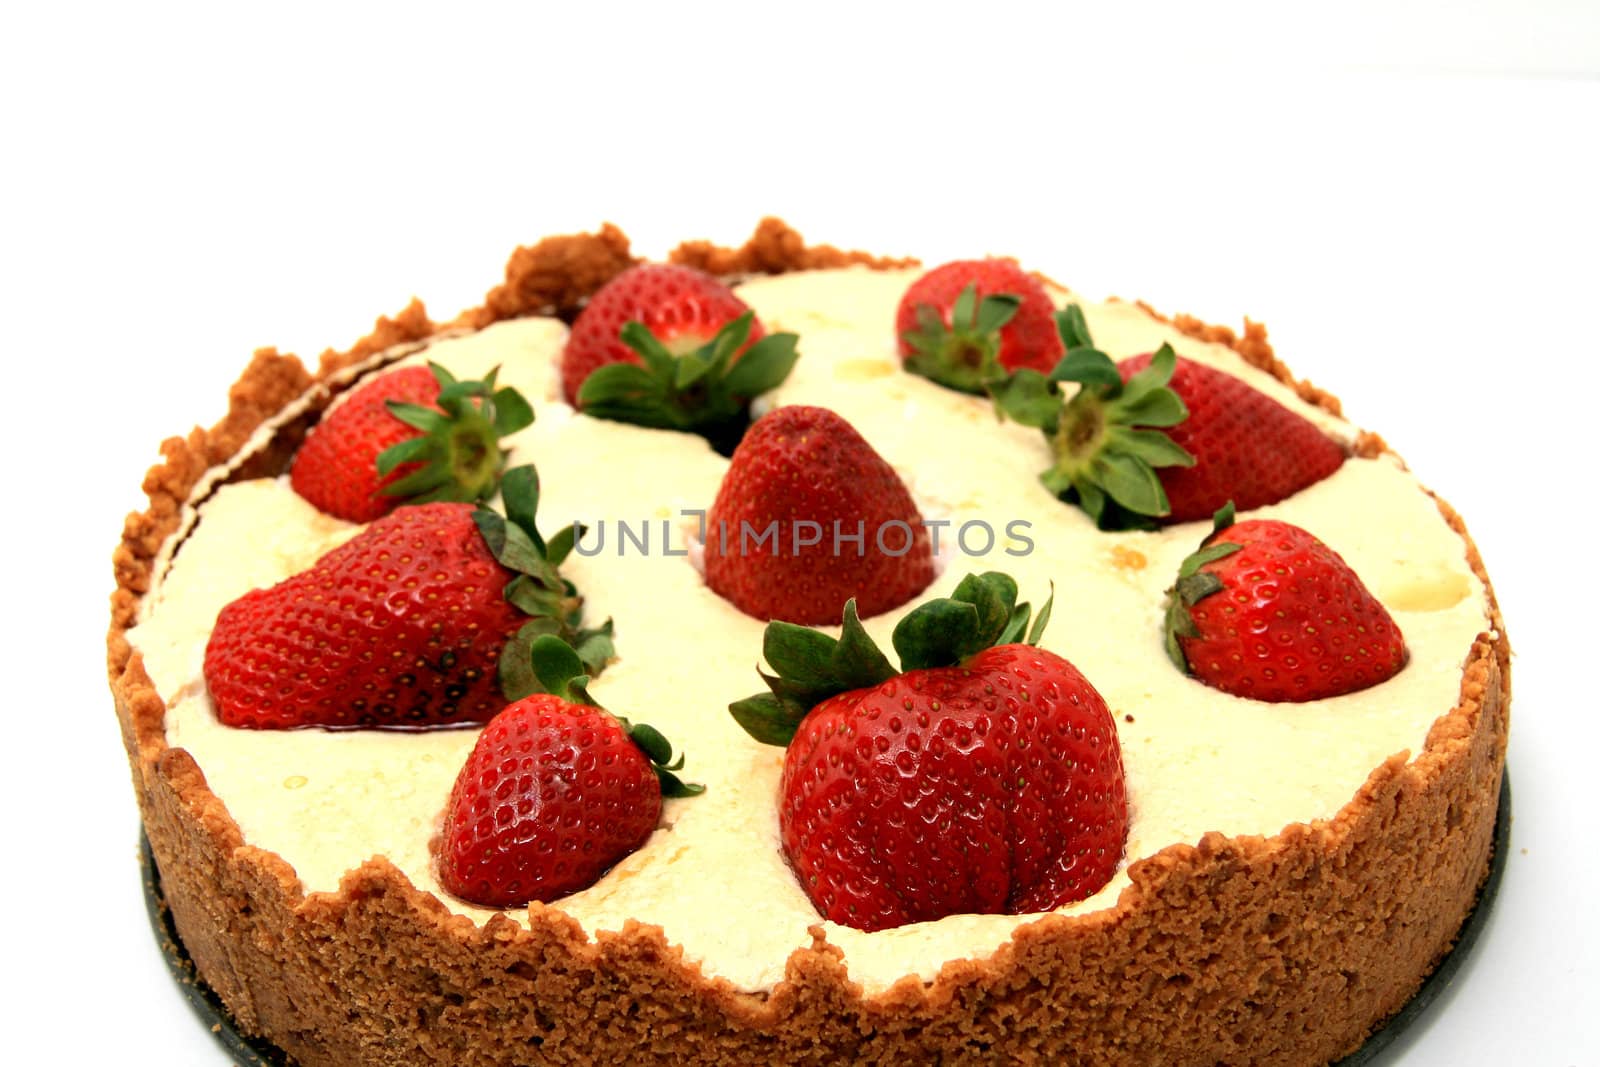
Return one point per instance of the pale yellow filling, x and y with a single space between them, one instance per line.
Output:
713 877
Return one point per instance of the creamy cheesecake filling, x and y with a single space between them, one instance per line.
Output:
713 877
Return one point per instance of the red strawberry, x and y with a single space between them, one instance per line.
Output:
554 793
1265 610
1247 447
670 347
809 516
681 307
985 778
403 625
411 434
961 323
1223 439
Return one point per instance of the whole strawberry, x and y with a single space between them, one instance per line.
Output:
969 321
670 347
1247 447
409 435
807 517
1157 438
555 791
1265 610
403 625
984 777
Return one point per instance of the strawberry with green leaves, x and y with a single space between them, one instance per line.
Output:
808 516
422 619
672 348
1267 611
414 435
555 792
983 776
1159 438
972 320
1247 447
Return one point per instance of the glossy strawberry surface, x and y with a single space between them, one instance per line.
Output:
400 626
684 309
552 795
1029 339
994 787
1248 448
1288 619
336 469
805 474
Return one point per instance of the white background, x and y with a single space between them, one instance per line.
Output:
1405 193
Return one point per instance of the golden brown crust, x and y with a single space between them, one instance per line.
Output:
775 248
1285 949
554 276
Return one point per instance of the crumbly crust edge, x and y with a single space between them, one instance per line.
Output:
1218 961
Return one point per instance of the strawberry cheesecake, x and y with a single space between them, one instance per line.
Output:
1283 845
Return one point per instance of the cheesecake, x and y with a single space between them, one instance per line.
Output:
1291 873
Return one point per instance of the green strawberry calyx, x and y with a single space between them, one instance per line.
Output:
705 391
1194 585
537 587
965 353
810 666
459 444
1107 436
563 674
